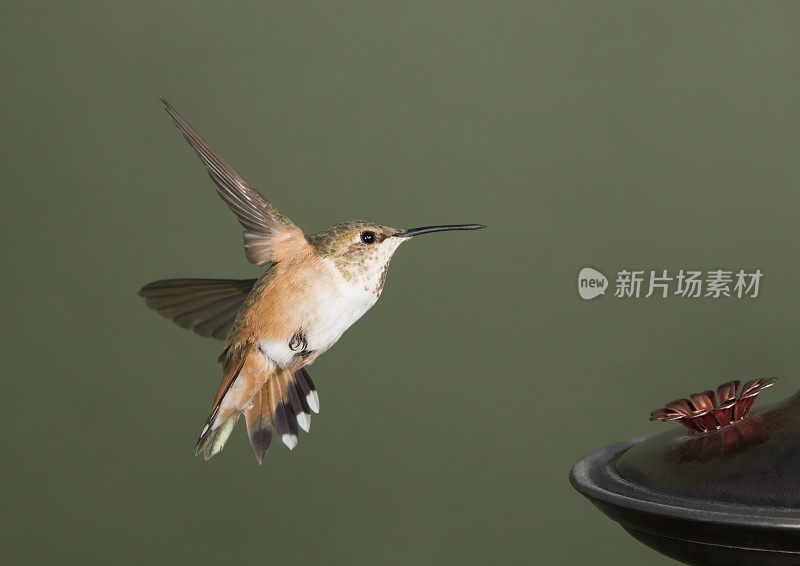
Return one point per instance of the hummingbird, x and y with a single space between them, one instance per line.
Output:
314 288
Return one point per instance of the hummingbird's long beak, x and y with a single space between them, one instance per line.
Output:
444 227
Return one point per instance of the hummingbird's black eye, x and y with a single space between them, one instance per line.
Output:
368 236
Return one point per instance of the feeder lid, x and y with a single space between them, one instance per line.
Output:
723 454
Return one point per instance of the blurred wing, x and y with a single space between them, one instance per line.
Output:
266 229
206 306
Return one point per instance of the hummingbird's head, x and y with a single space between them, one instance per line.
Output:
361 249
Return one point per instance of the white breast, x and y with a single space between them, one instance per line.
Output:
335 303
344 304
329 310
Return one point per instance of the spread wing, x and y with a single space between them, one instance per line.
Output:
267 232
206 306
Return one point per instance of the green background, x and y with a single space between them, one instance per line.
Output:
616 135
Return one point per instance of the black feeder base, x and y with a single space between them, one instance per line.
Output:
689 530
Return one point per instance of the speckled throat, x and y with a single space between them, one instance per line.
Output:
365 267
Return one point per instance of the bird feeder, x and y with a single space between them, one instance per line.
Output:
724 489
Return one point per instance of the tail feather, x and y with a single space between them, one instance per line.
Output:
259 423
214 435
214 441
282 405
301 397
300 409
307 387
282 414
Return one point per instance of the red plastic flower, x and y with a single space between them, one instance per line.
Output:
709 411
